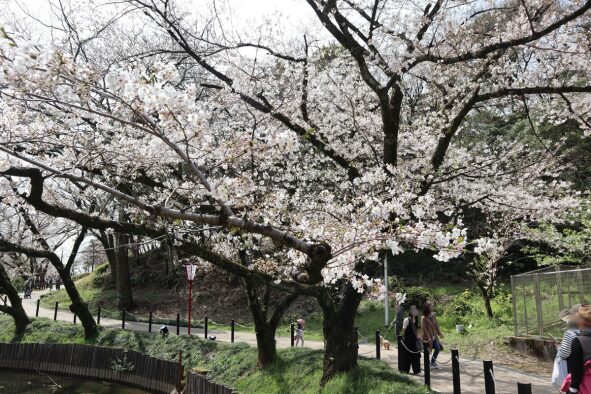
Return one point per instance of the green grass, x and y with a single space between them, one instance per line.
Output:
298 370
94 296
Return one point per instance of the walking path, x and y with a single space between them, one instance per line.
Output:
441 380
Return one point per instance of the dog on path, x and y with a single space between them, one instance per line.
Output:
384 343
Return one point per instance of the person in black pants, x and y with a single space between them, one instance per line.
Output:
411 352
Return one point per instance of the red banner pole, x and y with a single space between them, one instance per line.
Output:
190 300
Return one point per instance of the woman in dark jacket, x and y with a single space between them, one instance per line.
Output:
411 353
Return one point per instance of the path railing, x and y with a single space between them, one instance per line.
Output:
199 384
94 362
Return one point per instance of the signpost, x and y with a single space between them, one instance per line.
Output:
191 271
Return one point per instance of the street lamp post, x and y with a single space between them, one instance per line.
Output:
191 271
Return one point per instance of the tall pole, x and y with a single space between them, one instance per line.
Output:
190 301
386 300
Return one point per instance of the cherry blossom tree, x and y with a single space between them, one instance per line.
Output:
314 157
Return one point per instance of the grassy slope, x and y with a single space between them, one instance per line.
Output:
298 370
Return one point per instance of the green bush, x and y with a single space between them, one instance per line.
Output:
417 296
18 283
461 305
102 277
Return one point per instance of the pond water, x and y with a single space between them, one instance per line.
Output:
12 382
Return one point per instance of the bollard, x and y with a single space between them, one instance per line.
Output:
232 331
427 366
399 347
74 318
123 319
37 310
206 327
178 324
55 312
523 388
489 382
378 344
98 316
150 323
455 370
292 334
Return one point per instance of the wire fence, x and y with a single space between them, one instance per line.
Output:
539 296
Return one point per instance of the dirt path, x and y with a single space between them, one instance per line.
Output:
506 378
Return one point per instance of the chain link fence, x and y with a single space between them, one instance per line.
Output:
538 297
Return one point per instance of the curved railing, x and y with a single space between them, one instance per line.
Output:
95 362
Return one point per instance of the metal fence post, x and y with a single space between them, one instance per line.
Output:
455 369
98 316
123 319
206 321
232 331
513 297
37 310
292 334
538 297
178 324
559 287
150 322
489 381
55 312
427 367
74 318
378 345
524 388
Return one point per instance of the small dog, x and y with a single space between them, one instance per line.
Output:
164 331
385 343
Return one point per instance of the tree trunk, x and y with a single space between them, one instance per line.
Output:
123 284
341 342
487 301
265 328
78 306
21 320
266 344
109 247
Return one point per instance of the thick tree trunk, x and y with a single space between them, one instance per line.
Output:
487 301
341 343
123 284
265 328
266 344
21 320
109 247
78 306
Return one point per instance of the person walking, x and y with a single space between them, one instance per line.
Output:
579 380
301 323
411 344
563 364
431 333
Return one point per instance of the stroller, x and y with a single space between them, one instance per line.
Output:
27 292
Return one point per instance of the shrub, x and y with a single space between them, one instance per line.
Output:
461 304
102 277
417 295
18 283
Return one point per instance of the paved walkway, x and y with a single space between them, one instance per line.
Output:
441 380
